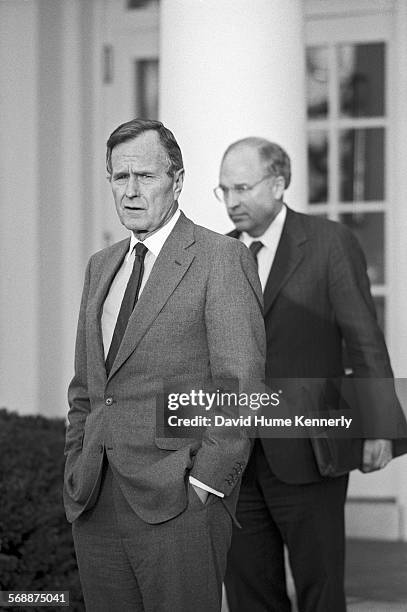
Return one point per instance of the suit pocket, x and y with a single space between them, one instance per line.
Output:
194 501
176 443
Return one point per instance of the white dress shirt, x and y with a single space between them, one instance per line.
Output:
114 298
113 301
270 240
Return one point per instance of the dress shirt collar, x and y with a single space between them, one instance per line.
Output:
272 233
155 242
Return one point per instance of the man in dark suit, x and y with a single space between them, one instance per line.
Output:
174 303
316 295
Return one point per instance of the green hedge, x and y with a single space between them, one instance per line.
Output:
36 548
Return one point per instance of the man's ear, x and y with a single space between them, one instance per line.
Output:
178 182
279 187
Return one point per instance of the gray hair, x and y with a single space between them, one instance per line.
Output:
135 127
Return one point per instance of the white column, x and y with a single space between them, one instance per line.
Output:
231 69
65 204
75 180
398 250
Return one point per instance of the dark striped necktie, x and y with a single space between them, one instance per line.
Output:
254 248
129 300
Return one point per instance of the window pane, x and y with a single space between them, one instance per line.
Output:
317 82
317 166
147 89
361 80
369 230
362 165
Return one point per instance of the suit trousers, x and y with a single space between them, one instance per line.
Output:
127 565
309 520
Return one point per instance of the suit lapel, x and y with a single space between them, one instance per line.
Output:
171 264
288 256
107 271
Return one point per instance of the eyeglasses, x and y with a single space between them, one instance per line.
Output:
221 193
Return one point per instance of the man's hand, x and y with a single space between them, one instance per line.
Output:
202 494
376 455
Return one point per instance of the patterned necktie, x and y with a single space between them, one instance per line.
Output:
129 300
254 248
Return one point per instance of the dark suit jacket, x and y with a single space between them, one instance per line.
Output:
199 317
317 296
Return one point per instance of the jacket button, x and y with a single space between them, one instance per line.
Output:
109 401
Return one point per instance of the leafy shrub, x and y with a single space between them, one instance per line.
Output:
36 547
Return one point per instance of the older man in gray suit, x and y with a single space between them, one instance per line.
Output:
175 302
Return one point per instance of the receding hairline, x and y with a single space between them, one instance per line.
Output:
134 128
255 143
138 136
162 150
269 153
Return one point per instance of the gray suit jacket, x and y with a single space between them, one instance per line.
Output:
199 318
